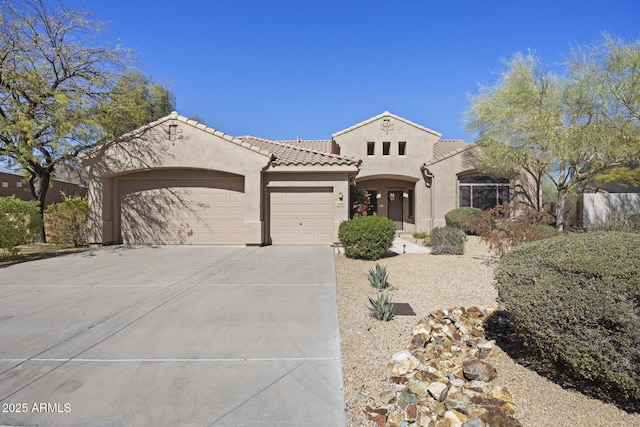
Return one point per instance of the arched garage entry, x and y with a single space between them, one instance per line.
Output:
180 207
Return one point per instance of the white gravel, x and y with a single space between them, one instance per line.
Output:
428 282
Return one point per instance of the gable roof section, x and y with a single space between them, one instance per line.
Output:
386 114
175 116
290 155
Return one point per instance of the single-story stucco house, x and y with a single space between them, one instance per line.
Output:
176 181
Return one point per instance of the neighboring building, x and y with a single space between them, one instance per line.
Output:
17 185
177 181
595 206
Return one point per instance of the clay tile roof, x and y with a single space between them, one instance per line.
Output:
324 145
446 148
292 155
386 114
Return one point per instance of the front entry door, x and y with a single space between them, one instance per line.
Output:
394 207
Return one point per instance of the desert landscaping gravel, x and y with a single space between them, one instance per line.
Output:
428 282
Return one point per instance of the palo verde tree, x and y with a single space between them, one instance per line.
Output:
568 129
59 90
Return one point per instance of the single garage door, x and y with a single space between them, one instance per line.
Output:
182 211
301 217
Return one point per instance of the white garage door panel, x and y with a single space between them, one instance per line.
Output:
182 212
300 217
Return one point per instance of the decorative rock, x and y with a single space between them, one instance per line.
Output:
496 417
457 382
438 390
378 416
411 412
502 394
402 362
473 422
478 370
457 418
418 341
474 312
479 386
440 380
419 388
438 407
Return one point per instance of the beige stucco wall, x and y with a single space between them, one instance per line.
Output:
384 173
445 184
192 148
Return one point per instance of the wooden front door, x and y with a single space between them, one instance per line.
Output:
394 207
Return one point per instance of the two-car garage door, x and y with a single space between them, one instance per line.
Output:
182 211
301 216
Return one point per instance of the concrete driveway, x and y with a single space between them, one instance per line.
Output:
172 335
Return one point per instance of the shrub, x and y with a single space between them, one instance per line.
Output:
634 221
378 277
447 240
617 221
381 308
463 218
420 235
575 300
69 221
506 226
366 237
20 223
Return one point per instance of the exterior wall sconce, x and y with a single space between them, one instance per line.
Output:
340 196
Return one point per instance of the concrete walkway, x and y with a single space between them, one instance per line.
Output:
166 336
400 246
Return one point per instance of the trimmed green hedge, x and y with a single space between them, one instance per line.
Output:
576 300
447 241
366 237
20 223
463 218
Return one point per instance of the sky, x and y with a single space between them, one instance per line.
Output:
282 69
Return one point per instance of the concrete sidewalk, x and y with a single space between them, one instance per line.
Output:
170 336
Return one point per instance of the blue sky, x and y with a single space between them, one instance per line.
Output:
280 69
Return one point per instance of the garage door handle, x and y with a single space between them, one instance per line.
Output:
300 222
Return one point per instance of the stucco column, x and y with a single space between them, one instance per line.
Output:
253 224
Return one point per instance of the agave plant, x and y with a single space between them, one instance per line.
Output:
378 277
381 308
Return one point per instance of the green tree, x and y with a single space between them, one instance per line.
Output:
133 102
568 129
58 90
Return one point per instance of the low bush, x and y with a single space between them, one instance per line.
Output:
20 223
69 221
575 300
447 241
507 226
420 235
617 222
366 237
634 221
463 218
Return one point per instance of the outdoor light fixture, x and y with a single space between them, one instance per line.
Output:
340 196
